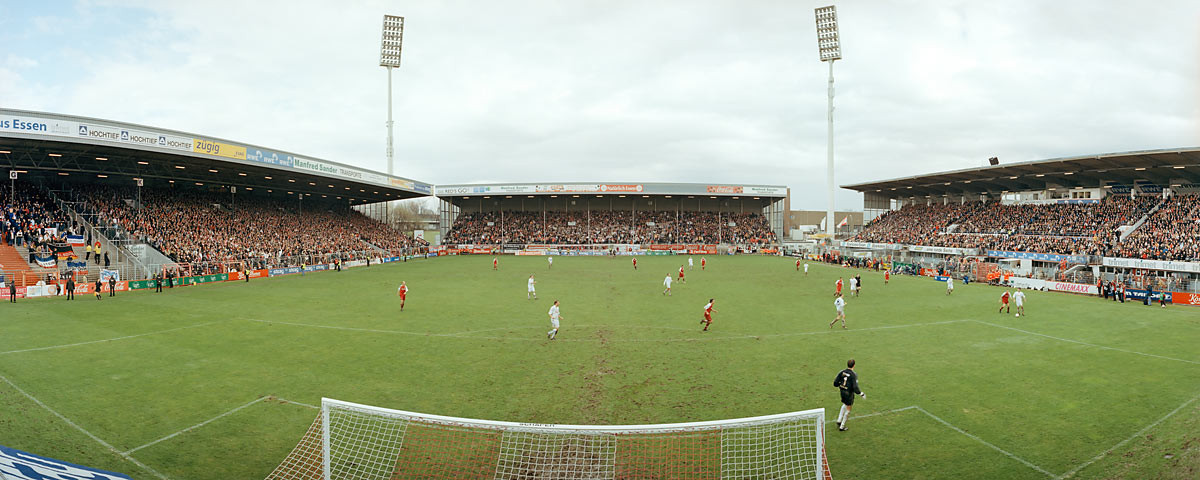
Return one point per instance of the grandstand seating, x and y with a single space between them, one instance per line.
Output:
610 227
1170 233
205 229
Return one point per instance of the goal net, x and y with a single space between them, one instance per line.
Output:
352 441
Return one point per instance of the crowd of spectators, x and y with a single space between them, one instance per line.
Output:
1058 219
915 224
32 220
610 227
1170 233
197 227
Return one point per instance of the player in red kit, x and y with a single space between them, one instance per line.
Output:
1004 302
839 287
635 263
403 293
708 311
495 263
681 279
797 264
886 276
703 261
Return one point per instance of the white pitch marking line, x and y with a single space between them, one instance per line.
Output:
284 400
52 347
1131 437
198 425
875 414
1193 362
537 338
81 429
985 442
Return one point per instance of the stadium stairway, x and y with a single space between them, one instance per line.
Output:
374 247
1140 221
14 264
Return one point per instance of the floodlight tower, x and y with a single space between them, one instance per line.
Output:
389 58
830 49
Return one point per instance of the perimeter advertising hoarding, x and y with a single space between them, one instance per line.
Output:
1073 287
18 465
943 250
1042 257
1192 267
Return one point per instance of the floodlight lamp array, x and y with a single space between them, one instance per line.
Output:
828 44
393 38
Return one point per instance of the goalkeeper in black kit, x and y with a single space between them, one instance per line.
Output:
847 383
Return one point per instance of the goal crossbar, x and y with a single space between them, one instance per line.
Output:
350 440
581 429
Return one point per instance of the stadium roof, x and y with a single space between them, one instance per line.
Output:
599 188
52 145
1167 167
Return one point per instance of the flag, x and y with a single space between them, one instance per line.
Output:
76 240
46 262
63 251
844 222
105 274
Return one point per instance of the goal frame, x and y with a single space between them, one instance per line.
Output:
328 404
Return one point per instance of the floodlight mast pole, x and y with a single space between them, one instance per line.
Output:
390 45
829 47
829 226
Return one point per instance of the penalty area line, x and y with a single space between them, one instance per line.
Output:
876 414
988 444
223 415
52 347
198 425
76 426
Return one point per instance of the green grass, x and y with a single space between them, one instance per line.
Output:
469 344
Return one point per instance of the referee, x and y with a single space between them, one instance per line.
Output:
847 383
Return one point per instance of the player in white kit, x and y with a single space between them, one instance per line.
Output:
840 305
854 286
949 285
532 293
690 264
806 269
554 316
1019 299
550 261
667 283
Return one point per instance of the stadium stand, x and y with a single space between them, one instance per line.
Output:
207 229
610 227
1171 232
32 227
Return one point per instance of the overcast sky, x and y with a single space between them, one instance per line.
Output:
626 91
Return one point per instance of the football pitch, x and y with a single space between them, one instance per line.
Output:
220 381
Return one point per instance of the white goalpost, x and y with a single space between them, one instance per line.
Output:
353 441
